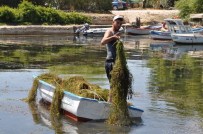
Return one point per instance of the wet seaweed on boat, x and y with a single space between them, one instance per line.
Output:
32 93
77 85
121 81
56 101
48 77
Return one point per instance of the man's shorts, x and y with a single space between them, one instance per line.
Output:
109 67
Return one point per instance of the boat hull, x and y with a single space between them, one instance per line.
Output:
99 31
187 38
141 31
80 108
159 35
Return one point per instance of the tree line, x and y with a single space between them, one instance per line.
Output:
27 13
79 5
186 7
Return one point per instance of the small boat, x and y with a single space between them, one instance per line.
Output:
142 30
86 30
166 35
181 33
190 38
197 30
99 31
80 108
160 35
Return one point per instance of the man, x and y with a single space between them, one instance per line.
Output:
110 37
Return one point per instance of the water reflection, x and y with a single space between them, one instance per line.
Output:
176 76
20 55
41 115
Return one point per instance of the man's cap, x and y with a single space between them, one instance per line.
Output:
118 17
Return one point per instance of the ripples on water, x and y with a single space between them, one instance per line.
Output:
168 82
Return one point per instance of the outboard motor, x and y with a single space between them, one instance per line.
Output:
84 28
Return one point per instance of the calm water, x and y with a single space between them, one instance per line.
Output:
168 83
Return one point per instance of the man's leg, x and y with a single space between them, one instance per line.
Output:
109 68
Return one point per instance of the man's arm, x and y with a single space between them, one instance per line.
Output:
109 37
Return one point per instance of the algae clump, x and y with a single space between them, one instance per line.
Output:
78 85
120 83
50 78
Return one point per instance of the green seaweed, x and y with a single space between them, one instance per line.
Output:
50 78
121 81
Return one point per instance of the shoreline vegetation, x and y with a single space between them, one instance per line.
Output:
97 21
27 18
28 14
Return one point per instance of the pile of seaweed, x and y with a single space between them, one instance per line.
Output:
77 85
120 83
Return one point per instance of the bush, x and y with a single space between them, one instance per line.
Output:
7 14
187 7
41 15
76 18
198 6
27 13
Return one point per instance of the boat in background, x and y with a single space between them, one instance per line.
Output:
160 35
99 31
86 30
181 33
166 35
80 108
145 30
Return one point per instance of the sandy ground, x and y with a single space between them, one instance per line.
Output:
147 15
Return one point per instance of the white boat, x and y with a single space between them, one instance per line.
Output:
166 35
86 30
95 31
99 31
141 31
80 108
47 120
160 35
181 33
191 38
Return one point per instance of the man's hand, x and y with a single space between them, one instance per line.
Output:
117 36
108 36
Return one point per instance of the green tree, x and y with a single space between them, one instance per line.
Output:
187 7
10 3
198 6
